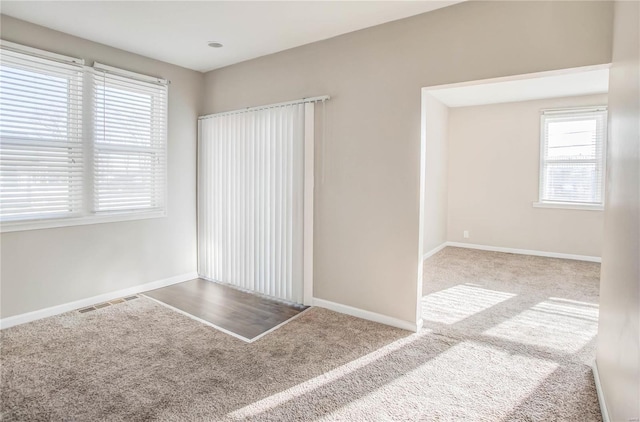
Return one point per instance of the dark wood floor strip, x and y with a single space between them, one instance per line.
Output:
245 314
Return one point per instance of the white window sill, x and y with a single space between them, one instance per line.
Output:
16 226
568 206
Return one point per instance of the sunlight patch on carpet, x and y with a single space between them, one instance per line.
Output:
456 303
293 393
559 324
469 381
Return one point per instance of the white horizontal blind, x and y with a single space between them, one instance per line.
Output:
573 156
250 200
41 160
130 139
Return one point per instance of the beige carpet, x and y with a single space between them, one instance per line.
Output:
541 312
507 338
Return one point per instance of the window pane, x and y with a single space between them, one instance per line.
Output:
572 139
40 137
572 182
572 168
130 142
124 117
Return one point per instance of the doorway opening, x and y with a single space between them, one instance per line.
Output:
510 165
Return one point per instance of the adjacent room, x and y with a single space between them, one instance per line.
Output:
324 210
513 221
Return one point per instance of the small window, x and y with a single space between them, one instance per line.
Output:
572 158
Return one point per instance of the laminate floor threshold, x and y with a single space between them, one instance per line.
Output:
244 315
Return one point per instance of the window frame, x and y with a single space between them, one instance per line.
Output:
86 215
161 152
601 161
31 145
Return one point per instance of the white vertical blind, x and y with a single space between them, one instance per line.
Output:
129 149
41 158
573 156
250 200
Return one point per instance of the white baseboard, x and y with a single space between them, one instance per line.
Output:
434 251
83 303
603 405
368 315
525 252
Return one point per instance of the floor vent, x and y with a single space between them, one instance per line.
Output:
105 304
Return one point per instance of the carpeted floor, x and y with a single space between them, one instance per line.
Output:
541 312
506 337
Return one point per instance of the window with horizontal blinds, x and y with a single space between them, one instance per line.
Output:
78 144
129 151
573 148
41 146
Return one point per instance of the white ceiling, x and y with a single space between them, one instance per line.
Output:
579 82
177 32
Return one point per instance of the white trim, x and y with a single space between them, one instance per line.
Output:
565 110
434 251
424 95
90 301
534 75
19 48
224 330
569 206
600 393
368 315
309 144
17 226
525 252
128 74
541 160
322 98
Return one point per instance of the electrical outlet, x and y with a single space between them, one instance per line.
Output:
465 234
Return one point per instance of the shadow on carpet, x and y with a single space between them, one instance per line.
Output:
489 357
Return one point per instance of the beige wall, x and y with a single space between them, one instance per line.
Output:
494 159
42 268
618 356
436 117
367 206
